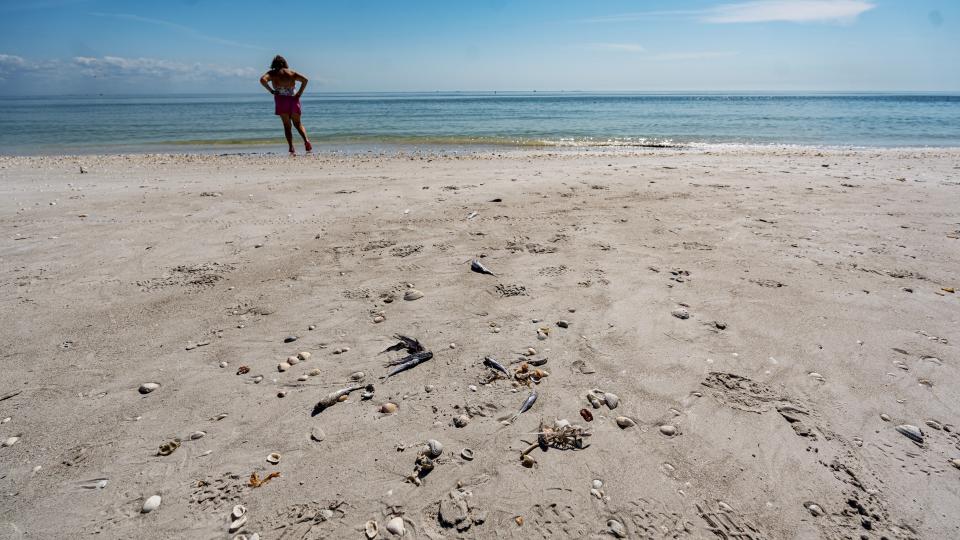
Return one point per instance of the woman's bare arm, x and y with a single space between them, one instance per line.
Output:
264 80
303 83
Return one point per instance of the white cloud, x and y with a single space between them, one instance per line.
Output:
623 47
757 11
179 28
119 67
787 11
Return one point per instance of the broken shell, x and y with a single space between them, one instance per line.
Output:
302 378
303 355
911 432
224 364
434 448
395 526
243 369
596 493
611 399
412 294
616 528
238 511
282 394
527 461
467 454
461 421
148 387
371 530
388 408
625 422
519 520
151 504
273 458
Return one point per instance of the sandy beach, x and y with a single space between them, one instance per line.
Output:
769 337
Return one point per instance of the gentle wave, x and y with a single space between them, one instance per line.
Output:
436 141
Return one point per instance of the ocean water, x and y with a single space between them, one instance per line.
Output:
470 120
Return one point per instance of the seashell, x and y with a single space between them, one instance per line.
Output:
317 434
238 524
530 351
388 408
224 364
273 458
238 511
681 313
168 448
220 416
282 394
527 461
563 324
815 509
343 398
541 335
428 388
955 462
395 526
611 399
314 372
290 339
302 378
283 366
10 441
293 360
594 401
598 484
243 369
934 424
625 422
467 454
148 387
197 435
885 417
461 421
371 530
366 395
519 521
379 319
596 493
434 448
668 430
151 504
412 294
257 379
357 376
305 355
616 528
911 432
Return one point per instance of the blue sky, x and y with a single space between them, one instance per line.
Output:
131 46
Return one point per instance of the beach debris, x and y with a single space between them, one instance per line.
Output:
955 462
332 398
527 461
357 376
410 344
151 504
681 313
597 484
371 529
395 526
293 360
527 403
668 430
290 339
492 363
625 422
434 448
563 324
586 415
168 448
257 379
238 518
461 420
911 432
243 369
273 458
148 387
10 441
412 294
379 318
561 435
479 268
408 362
815 509
282 394
388 408
616 528
256 482
526 375
543 332
467 454
519 520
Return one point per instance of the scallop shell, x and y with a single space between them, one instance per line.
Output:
611 399
273 458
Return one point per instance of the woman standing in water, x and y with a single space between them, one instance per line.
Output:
286 98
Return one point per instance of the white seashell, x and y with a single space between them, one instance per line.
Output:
273 458
885 417
238 524
625 422
911 432
5 420
148 387
434 448
681 313
388 408
412 294
283 366
151 504
611 399
317 434
814 508
357 376
371 530
668 430
596 493
467 454
616 528
461 421
314 372
304 355
224 364
379 319
257 379
197 435
395 526
10 442
598 484
238 511
293 360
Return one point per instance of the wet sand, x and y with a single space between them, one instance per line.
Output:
817 288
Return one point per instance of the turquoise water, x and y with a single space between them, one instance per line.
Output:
236 123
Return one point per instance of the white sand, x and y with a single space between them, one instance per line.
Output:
804 256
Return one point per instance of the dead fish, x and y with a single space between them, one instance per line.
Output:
408 343
531 399
491 363
408 362
332 399
479 268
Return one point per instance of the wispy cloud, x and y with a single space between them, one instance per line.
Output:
693 55
179 28
125 68
622 47
757 11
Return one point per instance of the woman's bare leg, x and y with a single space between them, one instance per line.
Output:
288 131
303 132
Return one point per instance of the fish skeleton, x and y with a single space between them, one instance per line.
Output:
476 266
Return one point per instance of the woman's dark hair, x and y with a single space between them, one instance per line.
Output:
279 62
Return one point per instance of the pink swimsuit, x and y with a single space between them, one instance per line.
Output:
285 101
